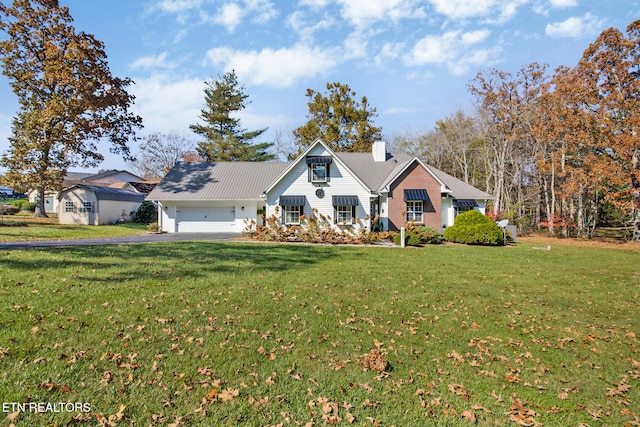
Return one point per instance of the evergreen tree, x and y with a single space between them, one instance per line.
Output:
224 138
339 120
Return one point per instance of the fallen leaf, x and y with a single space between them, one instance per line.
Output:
469 416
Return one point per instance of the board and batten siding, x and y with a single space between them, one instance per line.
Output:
341 183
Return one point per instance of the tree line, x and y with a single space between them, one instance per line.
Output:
559 150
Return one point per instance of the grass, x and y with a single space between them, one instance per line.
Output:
206 333
24 226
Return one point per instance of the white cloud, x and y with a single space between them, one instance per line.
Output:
364 12
561 4
389 51
464 9
175 6
306 28
152 62
453 49
279 68
575 27
166 103
230 15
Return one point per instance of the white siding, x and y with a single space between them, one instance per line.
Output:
340 183
207 216
77 197
111 211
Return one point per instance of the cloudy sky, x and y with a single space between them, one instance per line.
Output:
412 59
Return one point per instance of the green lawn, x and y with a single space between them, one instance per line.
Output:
24 226
204 334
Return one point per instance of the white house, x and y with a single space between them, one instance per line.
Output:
356 190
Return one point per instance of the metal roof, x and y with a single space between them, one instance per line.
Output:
107 193
217 181
459 189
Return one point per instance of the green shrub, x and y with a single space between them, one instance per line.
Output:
414 236
9 209
152 227
28 206
146 213
18 203
473 228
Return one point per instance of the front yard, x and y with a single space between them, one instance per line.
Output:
262 334
24 226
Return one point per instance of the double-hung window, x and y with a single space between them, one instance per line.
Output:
416 201
345 209
319 167
68 207
414 210
292 209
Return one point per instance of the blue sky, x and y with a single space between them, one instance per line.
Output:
412 59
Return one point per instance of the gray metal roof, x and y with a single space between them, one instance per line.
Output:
107 193
459 189
217 181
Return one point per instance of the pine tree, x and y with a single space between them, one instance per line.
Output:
224 138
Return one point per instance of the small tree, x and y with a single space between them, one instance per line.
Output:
224 138
339 120
160 152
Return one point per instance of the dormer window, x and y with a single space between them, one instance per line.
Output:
319 167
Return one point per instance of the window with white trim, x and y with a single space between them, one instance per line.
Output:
68 207
319 172
87 207
414 210
291 214
344 214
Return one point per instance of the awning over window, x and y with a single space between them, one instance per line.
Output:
292 201
345 200
416 195
465 204
319 159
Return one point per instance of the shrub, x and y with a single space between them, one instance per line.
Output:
152 227
18 203
9 209
146 213
415 236
28 206
473 228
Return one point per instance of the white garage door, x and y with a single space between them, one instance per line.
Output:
191 219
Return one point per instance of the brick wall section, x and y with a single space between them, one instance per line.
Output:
414 178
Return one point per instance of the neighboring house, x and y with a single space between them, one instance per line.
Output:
96 205
352 189
105 178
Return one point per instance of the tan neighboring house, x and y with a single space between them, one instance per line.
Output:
106 178
351 189
96 205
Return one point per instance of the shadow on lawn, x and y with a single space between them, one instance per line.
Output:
195 260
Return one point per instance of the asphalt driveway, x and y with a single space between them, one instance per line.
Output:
144 238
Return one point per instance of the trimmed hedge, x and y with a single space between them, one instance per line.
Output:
474 228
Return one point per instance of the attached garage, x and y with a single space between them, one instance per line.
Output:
205 219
